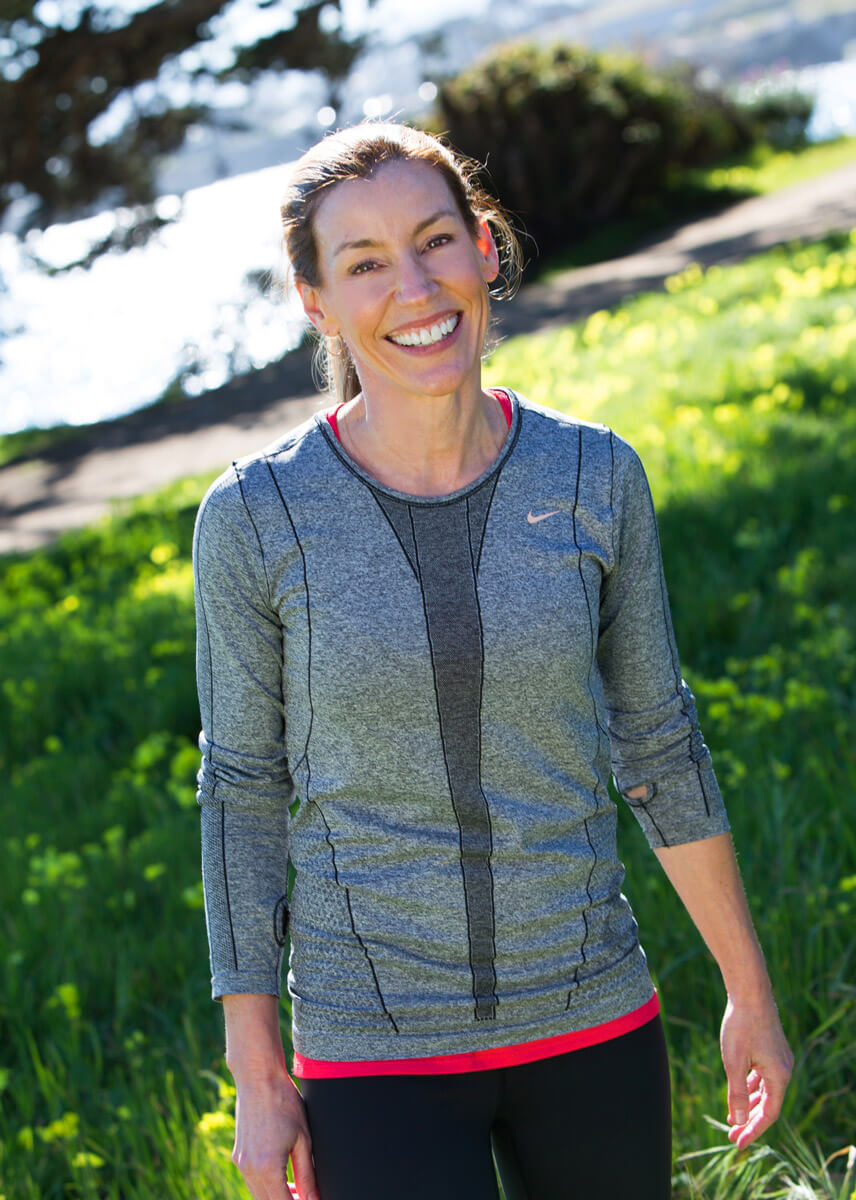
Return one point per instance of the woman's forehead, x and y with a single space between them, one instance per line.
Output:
401 192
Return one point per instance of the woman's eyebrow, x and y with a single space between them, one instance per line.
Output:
367 243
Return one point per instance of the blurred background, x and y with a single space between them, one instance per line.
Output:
686 177
143 150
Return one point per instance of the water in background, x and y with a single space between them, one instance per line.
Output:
90 344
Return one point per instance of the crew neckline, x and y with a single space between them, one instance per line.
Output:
321 419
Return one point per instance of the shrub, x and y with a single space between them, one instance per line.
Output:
782 115
573 138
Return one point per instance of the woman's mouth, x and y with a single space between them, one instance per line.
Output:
428 335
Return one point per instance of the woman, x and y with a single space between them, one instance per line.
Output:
436 616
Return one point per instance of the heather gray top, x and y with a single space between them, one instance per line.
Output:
444 686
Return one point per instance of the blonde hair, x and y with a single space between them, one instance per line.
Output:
356 153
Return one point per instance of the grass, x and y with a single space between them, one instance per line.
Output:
30 443
769 170
735 385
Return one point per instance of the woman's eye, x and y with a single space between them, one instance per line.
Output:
361 268
439 239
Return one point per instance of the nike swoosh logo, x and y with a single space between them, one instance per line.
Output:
543 516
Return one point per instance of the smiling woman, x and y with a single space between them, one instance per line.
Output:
432 622
357 154
402 287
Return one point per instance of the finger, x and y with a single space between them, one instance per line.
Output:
738 1097
755 1098
266 1179
763 1115
276 1185
758 1119
304 1169
751 1130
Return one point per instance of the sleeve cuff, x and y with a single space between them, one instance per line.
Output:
226 983
685 807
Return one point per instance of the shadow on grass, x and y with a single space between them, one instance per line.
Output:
729 556
654 222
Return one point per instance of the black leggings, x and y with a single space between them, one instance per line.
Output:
593 1124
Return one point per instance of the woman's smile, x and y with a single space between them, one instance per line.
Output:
430 335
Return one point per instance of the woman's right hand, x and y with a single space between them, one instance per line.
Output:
270 1125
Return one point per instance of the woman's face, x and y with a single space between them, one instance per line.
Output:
403 281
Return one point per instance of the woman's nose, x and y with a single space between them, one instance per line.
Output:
414 281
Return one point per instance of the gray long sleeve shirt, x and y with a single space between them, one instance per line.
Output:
445 685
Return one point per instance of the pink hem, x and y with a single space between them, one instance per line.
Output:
481 1060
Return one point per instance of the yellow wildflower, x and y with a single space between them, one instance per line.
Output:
214 1122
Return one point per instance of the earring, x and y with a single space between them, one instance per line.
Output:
335 345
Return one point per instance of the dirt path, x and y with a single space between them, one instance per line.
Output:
75 483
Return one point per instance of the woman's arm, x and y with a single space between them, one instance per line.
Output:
244 791
244 783
755 1053
270 1119
663 769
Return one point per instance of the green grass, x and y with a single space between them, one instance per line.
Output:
30 443
770 170
736 386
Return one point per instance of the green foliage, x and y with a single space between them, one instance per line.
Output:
735 386
59 76
30 443
97 750
783 115
574 138
799 1171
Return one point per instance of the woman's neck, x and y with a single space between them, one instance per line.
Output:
426 446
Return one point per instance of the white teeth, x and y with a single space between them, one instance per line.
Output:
425 336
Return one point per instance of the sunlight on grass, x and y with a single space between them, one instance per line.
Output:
768 170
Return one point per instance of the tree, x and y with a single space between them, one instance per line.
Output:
65 63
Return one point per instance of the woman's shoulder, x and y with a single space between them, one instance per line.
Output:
552 424
233 500
288 451
243 476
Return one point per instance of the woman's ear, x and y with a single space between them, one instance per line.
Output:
488 251
315 309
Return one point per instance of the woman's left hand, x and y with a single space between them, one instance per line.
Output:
758 1064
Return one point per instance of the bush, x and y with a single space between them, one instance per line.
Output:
783 116
573 138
